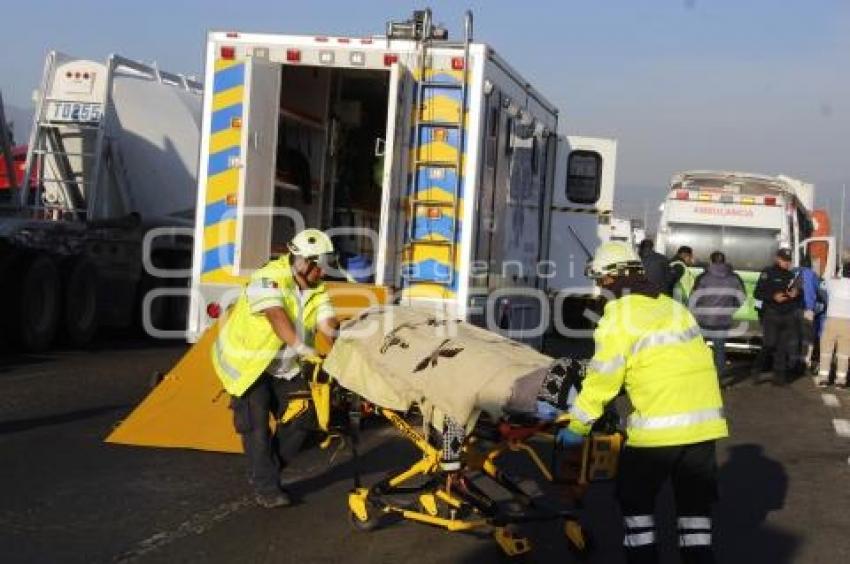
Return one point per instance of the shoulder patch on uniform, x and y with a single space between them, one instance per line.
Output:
267 283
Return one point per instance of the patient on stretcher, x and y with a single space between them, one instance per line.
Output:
396 356
537 397
399 356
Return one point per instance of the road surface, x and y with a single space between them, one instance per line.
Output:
66 496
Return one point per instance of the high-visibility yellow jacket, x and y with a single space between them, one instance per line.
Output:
653 346
247 343
685 285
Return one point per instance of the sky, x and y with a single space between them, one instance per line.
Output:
760 86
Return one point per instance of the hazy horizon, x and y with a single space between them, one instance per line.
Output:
757 86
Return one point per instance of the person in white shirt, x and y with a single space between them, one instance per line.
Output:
836 332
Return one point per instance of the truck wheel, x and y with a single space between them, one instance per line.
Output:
39 305
81 315
11 267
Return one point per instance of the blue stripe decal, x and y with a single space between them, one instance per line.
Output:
431 92
444 77
429 271
437 177
228 78
425 226
221 118
218 257
218 211
219 162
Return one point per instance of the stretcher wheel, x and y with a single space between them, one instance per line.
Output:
579 540
370 524
512 544
362 513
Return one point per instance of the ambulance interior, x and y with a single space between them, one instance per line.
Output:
329 165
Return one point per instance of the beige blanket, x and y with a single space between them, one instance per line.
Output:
395 356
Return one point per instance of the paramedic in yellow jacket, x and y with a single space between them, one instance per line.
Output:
651 345
256 356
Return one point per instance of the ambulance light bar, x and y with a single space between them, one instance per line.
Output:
698 196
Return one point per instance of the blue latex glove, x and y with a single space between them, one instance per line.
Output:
546 411
567 438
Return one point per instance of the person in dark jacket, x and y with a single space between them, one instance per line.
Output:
717 294
779 289
655 265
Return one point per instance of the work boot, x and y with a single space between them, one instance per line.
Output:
273 500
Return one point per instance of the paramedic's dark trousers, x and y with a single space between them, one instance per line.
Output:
782 339
692 469
268 453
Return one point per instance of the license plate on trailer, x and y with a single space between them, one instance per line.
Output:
75 111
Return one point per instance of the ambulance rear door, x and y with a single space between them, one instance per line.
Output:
395 151
254 205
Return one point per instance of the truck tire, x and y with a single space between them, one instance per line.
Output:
11 267
39 307
81 318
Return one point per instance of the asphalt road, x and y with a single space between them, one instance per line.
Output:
65 496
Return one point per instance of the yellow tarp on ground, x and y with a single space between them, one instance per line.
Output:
189 408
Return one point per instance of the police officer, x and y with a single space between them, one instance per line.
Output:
651 345
256 356
779 290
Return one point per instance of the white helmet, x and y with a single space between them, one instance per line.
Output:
612 258
311 243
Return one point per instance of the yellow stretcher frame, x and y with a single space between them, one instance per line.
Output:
442 506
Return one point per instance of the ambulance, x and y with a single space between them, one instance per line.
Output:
748 217
434 165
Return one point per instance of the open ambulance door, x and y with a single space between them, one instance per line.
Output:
582 200
822 252
254 205
395 154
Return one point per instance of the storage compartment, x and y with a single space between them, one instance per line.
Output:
329 166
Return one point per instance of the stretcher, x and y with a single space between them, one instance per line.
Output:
427 492
459 479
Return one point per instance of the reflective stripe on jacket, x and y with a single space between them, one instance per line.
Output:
653 347
247 343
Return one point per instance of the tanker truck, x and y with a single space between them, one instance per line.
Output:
108 215
748 217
